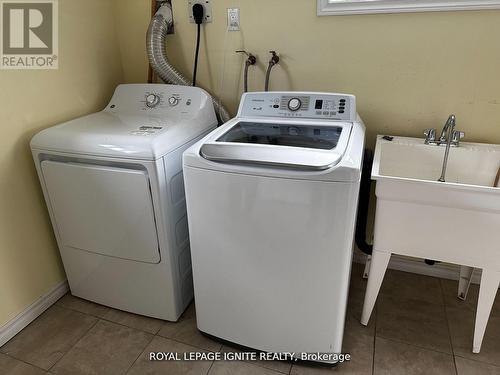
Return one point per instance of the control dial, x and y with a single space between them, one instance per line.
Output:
152 100
294 104
173 101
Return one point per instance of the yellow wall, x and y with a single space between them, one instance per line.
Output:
132 21
89 69
408 71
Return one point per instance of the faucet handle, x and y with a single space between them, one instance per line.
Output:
430 135
457 136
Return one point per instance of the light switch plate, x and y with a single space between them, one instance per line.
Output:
233 19
207 11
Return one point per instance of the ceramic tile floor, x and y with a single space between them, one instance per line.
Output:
418 327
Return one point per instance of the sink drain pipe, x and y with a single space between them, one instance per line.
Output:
156 43
364 200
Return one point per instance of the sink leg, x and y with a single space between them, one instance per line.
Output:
464 281
379 263
490 280
366 271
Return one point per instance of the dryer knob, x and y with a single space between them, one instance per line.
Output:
152 100
173 101
294 104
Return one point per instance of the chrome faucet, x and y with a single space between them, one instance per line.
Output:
456 135
449 137
430 137
448 129
446 136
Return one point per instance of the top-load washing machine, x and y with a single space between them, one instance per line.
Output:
272 199
114 189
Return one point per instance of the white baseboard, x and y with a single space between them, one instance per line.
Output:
415 265
25 317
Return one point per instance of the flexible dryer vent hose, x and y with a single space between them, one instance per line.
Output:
156 43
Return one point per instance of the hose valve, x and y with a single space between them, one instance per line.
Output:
274 58
251 59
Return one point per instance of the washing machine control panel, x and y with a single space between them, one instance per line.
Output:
325 106
157 99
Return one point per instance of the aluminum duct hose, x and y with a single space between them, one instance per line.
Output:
156 44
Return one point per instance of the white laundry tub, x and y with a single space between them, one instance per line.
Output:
456 221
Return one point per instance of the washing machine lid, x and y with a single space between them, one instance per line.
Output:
287 144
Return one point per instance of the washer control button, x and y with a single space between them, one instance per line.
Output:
294 104
152 100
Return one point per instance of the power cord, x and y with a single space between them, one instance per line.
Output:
198 19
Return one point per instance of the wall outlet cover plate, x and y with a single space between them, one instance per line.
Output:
207 14
233 19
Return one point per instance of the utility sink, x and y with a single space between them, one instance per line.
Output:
470 165
456 221
453 221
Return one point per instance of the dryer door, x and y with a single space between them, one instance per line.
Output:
101 209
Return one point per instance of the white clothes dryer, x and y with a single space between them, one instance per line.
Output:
114 189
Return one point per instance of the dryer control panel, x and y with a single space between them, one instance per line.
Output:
158 99
324 106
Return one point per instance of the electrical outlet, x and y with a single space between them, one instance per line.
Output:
233 19
207 10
